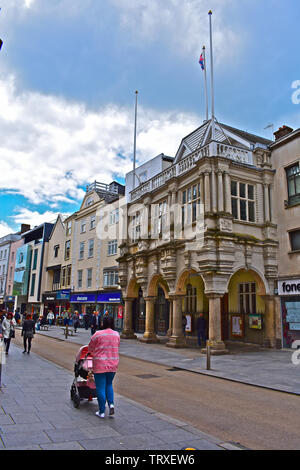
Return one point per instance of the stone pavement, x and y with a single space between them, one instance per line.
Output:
246 364
36 413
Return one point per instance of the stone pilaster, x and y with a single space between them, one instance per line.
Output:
128 332
150 335
177 339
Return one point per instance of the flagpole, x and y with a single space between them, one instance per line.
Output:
205 84
134 145
212 78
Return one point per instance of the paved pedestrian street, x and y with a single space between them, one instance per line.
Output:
36 413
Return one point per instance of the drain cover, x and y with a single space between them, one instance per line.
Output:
147 376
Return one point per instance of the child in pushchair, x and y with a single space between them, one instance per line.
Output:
83 385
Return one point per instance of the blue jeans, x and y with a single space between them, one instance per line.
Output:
104 388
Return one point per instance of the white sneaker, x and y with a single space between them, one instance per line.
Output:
100 415
111 410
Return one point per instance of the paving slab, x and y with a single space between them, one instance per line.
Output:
59 426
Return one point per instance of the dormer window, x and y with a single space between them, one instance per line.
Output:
89 201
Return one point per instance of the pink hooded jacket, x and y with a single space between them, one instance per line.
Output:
104 347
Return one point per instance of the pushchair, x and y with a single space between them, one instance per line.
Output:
83 386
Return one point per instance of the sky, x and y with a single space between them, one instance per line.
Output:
68 74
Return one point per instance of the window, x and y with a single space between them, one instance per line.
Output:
1 253
56 249
114 217
242 201
10 273
63 276
295 240
12 256
89 277
89 201
82 226
67 249
136 227
190 201
5 254
111 278
32 285
81 250
247 294
191 299
79 278
68 279
112 247
91 248
35 256
160 218
93 222
69 228
293 183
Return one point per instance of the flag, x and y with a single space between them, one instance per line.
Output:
201 61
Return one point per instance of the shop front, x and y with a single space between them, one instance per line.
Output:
84 303
111 302
9 303
289 292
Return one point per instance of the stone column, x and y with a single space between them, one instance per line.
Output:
177 338
215 325
207 192
213 192
227 187
267 204
220 192
269 322
150 335
128 332
169 333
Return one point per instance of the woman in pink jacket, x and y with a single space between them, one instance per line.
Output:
104 347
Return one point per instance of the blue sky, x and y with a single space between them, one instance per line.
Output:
69 69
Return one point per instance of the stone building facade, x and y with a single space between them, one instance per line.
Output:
202 238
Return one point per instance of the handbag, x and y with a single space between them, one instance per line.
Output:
12 333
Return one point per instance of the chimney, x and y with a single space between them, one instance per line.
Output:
282 131
25 228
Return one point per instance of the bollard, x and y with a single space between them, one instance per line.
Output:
207 355
66 332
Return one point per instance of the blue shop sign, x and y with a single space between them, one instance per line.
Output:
63 294
83 298
110 298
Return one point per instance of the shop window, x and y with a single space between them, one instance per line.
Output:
295 240
247 295
242 201
191 299
293 183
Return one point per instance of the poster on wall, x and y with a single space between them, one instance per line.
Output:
188 327
255 322
120 311
237 326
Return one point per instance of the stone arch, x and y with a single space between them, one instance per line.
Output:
182 278
132 289
158 280
262 284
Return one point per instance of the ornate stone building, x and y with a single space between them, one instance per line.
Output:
201 238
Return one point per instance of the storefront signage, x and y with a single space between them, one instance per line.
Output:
63 294
10 298
109 297
255 322
290 287
83 298
49 297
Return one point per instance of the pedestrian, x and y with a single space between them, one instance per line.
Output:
201 330
50 317
104 347
28 331
184 322
86 321
94 323
17 317
76 321
66 318
8 330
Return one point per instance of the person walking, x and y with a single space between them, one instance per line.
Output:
76 321
86 321
94 323
201 330
50 317
104 347
8 330
28 332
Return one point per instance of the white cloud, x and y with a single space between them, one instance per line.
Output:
34 218
5 229
49 147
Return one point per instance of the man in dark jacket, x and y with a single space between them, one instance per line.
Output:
201 329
